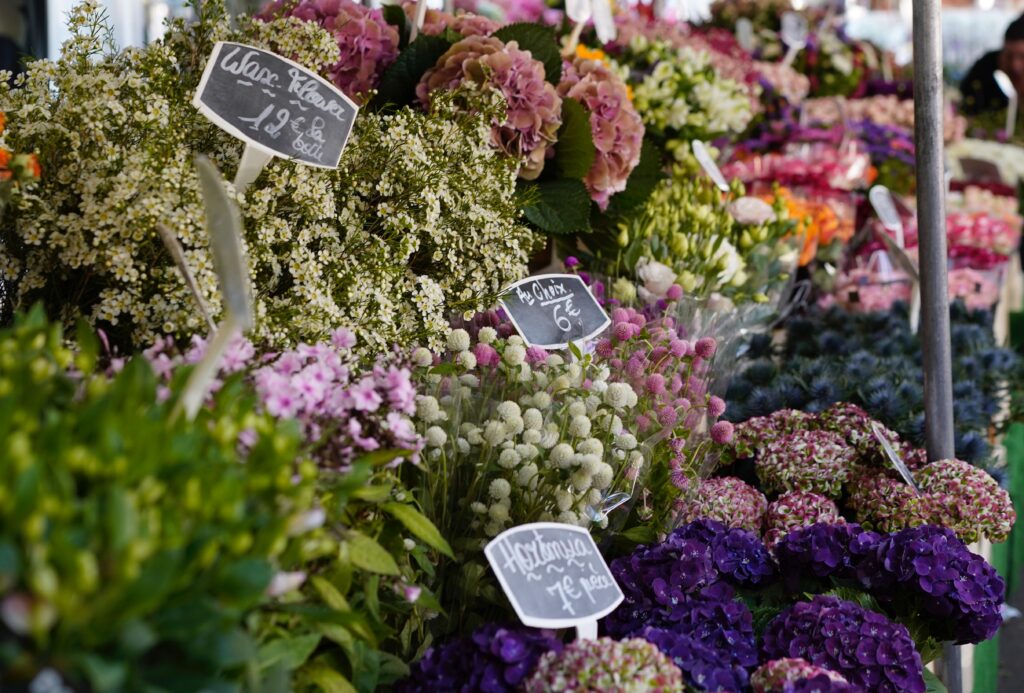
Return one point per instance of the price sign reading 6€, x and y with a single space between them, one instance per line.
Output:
552 310
274 105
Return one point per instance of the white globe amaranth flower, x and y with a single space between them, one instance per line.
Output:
542 400
568 517
487 335
560 383
408 544
617 395
463 446
436 436
590 463
499 489
532 436
599 387
514 425
508 459
492 529
594 497
478 507
577 408
526 451
526 476
533 419
603 476
508 409
515 340
561 455
458 340
554 360
467 360
563 499
626 441
514 354
427 408
540 379
422 357
549 439
581 480
579 427
590 446
469 380
494 432
498 512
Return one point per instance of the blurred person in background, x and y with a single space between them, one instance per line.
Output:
979 90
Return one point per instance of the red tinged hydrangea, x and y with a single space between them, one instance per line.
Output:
966 499
533 107
728 500
798 509
865 647
586 666
368 44
818 461
774 676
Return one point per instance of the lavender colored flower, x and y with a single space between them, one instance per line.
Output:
630 666
495 659
774 676
534 108
728 500
615 125
817 461
368 44
932 569
865 647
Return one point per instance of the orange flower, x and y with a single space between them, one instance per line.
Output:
3 121
815 221
32 164
585 53
5 158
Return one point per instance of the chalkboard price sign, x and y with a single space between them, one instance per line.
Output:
553 574
275 105
551 310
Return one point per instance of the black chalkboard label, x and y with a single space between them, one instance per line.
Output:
275 105
551 310
553 574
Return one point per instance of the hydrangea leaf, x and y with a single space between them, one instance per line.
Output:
398 85
395 16
419 525
540 41
559 206
575 152
641 182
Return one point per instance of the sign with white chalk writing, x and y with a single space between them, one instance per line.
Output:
275 105
553 574
552 310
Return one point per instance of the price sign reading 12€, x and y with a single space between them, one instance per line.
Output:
554 575
552 310
275 105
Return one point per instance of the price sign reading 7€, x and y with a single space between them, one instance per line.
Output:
552 310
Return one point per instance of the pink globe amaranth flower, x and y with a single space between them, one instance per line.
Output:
534 108
615 125
368 44
773 676
705 347
486 355
728 500
716 406
722 432
465 23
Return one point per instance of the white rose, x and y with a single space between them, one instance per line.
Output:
657 278
751 210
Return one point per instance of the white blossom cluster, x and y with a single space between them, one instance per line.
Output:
683 96
419 221
512 443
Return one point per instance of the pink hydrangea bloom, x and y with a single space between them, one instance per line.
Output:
615 125
728 500
534 108
465 23
368 44
818 461
797 509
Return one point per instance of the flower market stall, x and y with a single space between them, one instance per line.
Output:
506 346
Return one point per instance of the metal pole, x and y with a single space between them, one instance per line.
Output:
935 344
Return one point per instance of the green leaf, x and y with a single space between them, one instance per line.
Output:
395 16
374 493
329 680
392 668
330 594
419 525
932 683
290 653
367 554
575 152
104 674
398 85
540 41
560 206
88 346
641 182
641 534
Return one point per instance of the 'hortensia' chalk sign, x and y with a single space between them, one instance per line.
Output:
275 105
551 310
553 574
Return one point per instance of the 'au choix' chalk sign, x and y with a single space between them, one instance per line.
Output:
553 574
552 310
274 105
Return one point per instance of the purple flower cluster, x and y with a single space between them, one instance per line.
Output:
930 567
680 595
495 659
866 648
827 550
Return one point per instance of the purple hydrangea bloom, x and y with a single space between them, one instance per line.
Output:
739 556
932 569
865 647
826 550
704 667
495 659
820 684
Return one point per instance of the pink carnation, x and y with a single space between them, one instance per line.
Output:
368 44
615 126
534 109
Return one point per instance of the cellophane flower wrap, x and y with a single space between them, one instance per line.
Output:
86 243
367 45
591 666
615 125
879 656
534 109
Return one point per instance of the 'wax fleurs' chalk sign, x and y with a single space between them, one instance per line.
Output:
275 105
553 574
552 310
